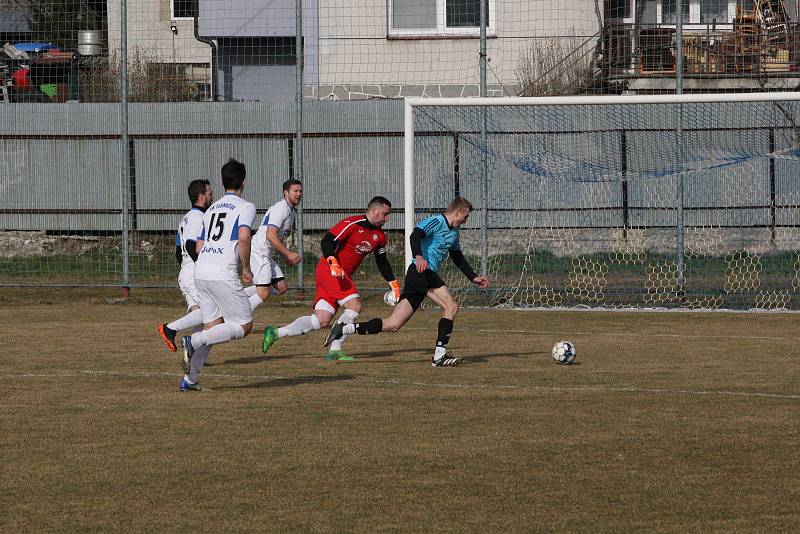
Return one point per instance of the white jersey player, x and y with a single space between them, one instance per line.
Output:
201 196
224 242
270 239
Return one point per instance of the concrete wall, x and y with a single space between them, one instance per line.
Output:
61 163
149 33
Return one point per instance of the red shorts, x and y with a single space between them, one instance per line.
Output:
331 289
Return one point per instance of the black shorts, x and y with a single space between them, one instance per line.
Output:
417 285
272 282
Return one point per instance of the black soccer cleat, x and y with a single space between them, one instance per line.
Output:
168 335
337 331
448 360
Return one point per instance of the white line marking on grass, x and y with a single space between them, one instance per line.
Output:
358 382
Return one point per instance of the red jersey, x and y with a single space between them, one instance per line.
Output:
355 238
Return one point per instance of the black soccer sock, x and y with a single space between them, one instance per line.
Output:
373 326
445 329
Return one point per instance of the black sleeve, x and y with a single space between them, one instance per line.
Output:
328 244
416 241
178 254
461 262
383 265
191 249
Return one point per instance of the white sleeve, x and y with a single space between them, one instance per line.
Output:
279 214
248 216
193 228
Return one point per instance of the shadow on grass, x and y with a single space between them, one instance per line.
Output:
248 360
422 355
288 382
425 355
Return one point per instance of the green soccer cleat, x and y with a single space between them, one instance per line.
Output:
270 337
338 356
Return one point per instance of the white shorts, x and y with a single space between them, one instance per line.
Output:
188 287
265 269
224 298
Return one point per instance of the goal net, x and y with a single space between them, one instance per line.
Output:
673 201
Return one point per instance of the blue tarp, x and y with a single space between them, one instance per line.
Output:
34 47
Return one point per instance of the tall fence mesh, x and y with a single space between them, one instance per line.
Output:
110 108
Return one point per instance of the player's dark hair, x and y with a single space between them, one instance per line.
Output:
379 201
233 174
197 188
459 203
290 182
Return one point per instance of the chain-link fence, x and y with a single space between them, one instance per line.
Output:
111 107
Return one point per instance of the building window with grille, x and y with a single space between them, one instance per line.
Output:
701 11
438 17
184 9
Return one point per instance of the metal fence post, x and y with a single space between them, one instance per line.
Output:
298 148
124 177
484 164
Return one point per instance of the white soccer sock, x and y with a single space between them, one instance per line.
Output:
221 333
300 326
255 301
191 319
439 353
347 317
199 359
250 290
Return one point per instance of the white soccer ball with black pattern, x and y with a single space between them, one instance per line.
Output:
564 352
389 298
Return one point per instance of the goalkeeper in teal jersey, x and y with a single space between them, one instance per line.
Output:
432 239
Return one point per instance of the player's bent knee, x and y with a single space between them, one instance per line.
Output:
451 310
238 332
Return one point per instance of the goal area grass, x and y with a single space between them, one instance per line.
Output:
667 421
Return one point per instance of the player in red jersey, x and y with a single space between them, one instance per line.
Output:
343 248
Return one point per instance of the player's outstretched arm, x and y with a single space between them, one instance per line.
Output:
463 265
385 268
292 258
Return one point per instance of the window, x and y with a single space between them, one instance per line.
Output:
714 11
701 11
184 9
669 10
439 17
618 9
244 51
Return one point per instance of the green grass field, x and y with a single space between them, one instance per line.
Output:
666 422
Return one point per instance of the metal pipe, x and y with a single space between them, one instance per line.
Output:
213 45
484 164
124 176
298 146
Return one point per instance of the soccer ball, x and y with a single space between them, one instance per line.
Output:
564 352
389 298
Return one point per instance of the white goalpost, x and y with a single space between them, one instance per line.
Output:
676 201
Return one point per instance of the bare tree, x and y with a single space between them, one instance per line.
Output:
150 79
556 66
